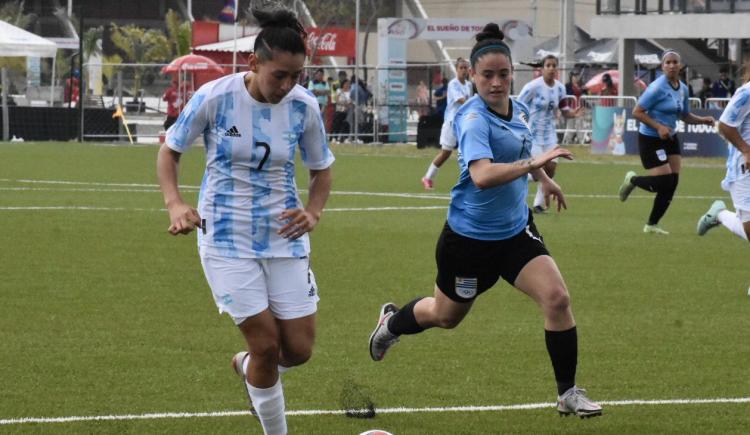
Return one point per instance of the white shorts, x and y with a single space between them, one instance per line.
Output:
538 149
243 287
447 137
740 191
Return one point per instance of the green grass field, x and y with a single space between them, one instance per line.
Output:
102 313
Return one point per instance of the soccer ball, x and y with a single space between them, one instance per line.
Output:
375 432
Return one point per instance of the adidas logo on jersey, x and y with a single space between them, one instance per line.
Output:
233 132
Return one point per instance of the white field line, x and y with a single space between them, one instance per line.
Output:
153 188
401 410
94 208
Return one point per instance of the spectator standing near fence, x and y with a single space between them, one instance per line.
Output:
341 125
705 91
545 97
440 96
724 87
320 88
661 105
460 89
172 97
573 125
71 94
609 90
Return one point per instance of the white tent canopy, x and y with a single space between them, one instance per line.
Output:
16 42
244 45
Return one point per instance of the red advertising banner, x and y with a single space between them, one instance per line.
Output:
331 41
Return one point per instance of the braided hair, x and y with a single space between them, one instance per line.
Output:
489 40
280 31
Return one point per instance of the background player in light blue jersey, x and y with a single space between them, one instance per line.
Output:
459 90
490 232
253 240
661 105
544 96
734 125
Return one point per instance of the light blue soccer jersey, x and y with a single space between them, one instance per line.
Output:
543 102
664 104
500 212
456 91
737 115
250 150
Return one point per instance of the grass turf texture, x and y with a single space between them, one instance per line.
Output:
103 313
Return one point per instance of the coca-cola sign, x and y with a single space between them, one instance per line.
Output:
331 41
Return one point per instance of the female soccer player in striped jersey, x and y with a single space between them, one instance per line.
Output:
544 96
734 125
253 241
664 101
490 232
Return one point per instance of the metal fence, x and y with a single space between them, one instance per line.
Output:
138 89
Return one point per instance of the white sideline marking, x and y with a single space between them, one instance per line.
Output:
87 208
401 410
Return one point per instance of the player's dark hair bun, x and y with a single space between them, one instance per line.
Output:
490 31
275 18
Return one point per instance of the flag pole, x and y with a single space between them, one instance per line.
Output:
234 51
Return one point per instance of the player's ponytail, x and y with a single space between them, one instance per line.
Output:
280 30
489 40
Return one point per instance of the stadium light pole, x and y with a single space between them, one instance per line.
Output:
81 82
234 50
356 71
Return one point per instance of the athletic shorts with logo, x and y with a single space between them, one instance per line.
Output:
467 267
654 150
244 287
740 192
448 140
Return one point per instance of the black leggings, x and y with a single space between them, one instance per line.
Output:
664 186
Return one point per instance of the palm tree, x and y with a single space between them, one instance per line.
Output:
140 46
179 33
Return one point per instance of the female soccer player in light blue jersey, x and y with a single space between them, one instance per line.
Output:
544 96
490 231
734 125
661 105
253 241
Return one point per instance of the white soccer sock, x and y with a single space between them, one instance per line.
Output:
431 171
732 222
269 404
539 198
281 368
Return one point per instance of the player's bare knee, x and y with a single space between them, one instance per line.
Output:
448 321
558 300
265 352
298 356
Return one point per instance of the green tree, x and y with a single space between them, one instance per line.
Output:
179 32
140 46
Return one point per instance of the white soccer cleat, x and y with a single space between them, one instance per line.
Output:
381 338
238 362
575 401
626 187
654 229
711 218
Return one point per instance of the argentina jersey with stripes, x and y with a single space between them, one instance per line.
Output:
250 165
737 115
499 212
543 102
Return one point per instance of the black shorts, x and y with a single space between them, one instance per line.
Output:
654 150
468 267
